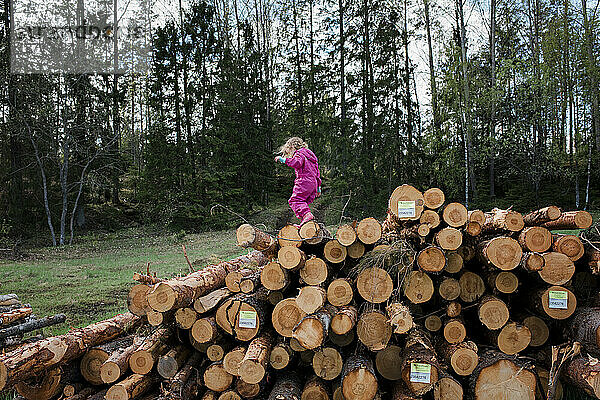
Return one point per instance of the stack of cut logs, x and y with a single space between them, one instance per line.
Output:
17 322
435 302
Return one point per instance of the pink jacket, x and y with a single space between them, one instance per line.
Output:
306 165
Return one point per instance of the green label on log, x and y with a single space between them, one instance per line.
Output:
557 299
406 209
420 373
247 319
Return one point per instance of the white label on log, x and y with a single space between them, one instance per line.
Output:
420 373
406 209
247 319
557 299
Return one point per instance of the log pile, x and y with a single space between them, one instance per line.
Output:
436 301
19 325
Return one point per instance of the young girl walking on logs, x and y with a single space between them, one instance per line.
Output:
307 185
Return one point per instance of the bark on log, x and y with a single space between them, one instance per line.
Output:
359 381
254 364
132 387
311 331
31 326
401 392
184 384
374 330
535 239
146 279
233 359
374 284
585 328
570 220
210 301
583 372
286 387
327 363
249 236
542 215
117 363
177 293
96 356
400 317
314 233
32 358
419 366
10 317
369 230
143 358
503 220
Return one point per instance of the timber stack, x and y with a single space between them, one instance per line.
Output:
434 302
19 325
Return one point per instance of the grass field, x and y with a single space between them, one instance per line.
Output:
89 281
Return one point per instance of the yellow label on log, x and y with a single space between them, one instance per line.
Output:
420 373
406 209
247 319
558 299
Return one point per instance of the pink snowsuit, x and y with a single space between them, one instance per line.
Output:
308 180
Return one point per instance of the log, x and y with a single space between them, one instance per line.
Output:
233 359
249 236
291 258
286 387
184 384
274 277
177 293
342 340
418 287
369 230
172 361
462 357
356 250
544 376
447 388
455 215
210 301
513 338
585 328
142 360
344 319
346 235
327 363
454 262
374 330
359 381
204 330
234 279
454 330
117 364
314 271
430 218
311 298
401 392
433 323
570 220
8 298
558 269
132 387
216 378
185 317
583 372
467 252
243 315
542 215
472 286
311 331
314 233
400 317
503 281
593 259
334 252
285 316
431 259
500 373
473 228
315 389
532 262
254 364
419 365
449 289
501 252
453 309
274 297
387 361
30 326
216 351
535 239
229 395
81 394
569 245
503 220
10 317
248 390
44 387
11 307
406 203
539 330
281 355
156 318
433 198
33 358
339 292
374 284
563 302
289 235
96 356
492 312
476 216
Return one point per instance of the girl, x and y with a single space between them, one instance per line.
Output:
307 185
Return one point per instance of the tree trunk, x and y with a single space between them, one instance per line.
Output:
172 361
254 364
327 363
339 292
359 381
501 373
374 330
144 357
536 239
570 220
132 387
92 360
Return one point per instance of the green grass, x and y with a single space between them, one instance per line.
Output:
89 281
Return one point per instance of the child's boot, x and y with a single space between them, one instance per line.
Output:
307 217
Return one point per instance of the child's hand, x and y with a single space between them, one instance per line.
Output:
319 191
280 159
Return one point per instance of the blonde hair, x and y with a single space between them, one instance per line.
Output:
292 144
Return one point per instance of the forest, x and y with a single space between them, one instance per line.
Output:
497 102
